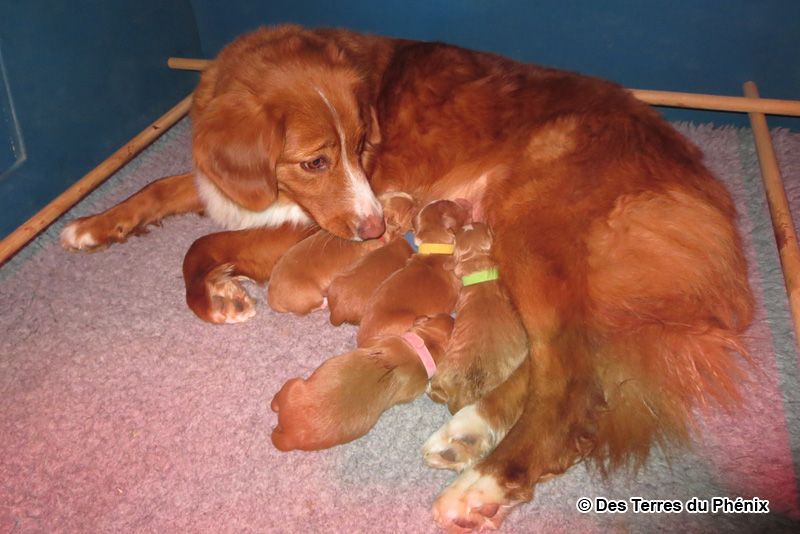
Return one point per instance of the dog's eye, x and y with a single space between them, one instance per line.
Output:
318 164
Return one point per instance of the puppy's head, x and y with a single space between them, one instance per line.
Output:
398 211
287 120
473 248
439 221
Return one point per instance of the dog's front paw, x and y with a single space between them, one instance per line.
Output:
462 441
473 502
80 235
230 301
96 232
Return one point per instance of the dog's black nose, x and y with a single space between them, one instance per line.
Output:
371 227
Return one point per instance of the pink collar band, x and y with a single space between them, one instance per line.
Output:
418 344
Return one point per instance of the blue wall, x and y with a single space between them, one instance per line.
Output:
85 76
707 46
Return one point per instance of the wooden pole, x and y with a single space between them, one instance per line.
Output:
19 237
185 63
718 103
655 98
782 222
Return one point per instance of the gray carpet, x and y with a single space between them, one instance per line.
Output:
122 412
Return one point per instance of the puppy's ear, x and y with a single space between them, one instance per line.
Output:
236 143
398 209
487 240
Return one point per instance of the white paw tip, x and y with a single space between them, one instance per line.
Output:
238 317
70 238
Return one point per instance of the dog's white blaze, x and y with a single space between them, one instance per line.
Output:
364 201
232 216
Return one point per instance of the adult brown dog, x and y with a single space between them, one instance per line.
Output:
617 246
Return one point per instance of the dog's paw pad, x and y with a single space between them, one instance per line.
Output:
230 301
462 441
473 502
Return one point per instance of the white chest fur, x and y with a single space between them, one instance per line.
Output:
231 216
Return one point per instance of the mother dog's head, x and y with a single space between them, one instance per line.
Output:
281 125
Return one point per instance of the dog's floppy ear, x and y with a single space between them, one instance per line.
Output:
372 140
236 144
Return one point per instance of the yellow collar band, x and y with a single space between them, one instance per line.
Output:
436 248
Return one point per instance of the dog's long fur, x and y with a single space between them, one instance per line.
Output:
617 246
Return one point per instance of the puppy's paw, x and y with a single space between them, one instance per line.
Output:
289 432
303 422
230 301
96 232
455 386
462 441
473 502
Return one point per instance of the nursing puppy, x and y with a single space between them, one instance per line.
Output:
488 340
343 399
423 286
301 277
349 292
300 280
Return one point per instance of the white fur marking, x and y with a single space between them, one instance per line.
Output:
464 498
466 422
71 239
392 194
364 201
232 216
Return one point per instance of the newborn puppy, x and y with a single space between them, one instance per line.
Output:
343 399
488 340
302 275
349 292
300 280
423 286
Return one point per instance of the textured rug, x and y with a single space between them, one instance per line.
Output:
122 412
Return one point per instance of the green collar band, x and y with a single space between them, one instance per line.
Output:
478 277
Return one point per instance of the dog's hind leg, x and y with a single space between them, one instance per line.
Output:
172 195
628 339
216 264
475 430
